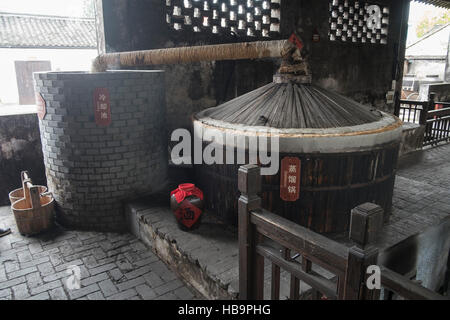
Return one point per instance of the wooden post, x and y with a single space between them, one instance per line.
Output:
424 117
366 222
427 107
249 184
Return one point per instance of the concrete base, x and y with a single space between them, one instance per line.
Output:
412 138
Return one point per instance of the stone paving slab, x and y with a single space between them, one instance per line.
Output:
112 266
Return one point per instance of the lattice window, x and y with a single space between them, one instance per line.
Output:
358 22
252 18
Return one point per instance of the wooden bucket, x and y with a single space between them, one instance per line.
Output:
34 213
18 194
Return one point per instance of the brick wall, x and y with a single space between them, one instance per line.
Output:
92 169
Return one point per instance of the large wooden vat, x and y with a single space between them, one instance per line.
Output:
348 153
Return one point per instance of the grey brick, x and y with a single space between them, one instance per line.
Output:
84 291
183 293
103 268
34 280
96 296
139 272
41 296
58 294
94 279
124 295
20 291
46 269
169 286
5 293
108 288
153 279
131 283
46 287
146 292
11 283
21 272
167 296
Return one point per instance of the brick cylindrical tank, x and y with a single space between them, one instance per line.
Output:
104 142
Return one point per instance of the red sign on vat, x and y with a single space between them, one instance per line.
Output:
290 179
102 107
41 106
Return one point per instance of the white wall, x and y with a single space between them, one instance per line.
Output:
433 45
423 68
61 60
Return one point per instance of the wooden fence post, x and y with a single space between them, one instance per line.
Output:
366 222
249 184
427 107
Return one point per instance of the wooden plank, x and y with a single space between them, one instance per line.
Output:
407 288
314 280
307 267
438 113
413 102
317 248
275 288
248 175
259 277
294 284
365 225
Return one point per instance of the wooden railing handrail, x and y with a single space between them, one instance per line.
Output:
444 103
415 102
317 248
438 112
405 287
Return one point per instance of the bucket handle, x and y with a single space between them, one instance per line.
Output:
24 176
35 200
31 193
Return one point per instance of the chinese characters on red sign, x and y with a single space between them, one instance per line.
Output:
290 179
102 108
41 107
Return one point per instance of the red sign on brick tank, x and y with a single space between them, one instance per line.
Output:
290 179
102 107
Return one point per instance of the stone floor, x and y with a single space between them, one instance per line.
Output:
112 266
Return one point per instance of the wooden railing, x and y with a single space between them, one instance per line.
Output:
412 111
437 124
435 116
262 234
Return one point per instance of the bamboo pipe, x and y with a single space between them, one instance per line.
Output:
233 51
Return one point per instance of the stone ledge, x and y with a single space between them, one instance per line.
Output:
207 258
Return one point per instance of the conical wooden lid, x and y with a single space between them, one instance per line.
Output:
292 105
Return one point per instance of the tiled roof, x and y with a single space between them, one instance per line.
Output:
437 3
36 31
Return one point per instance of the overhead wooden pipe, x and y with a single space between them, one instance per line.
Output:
233 51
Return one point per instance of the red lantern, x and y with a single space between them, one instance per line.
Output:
187 204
